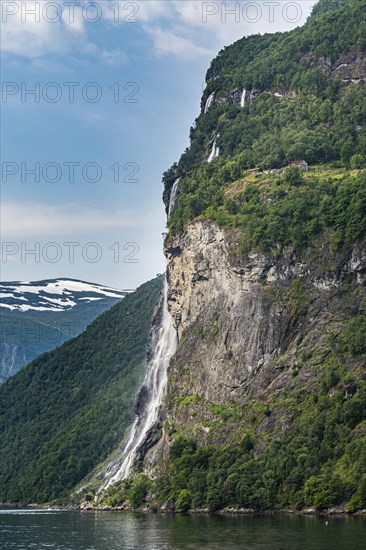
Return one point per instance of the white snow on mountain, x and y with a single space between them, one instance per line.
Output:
53 295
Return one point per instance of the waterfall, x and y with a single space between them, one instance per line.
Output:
173 196
215 151
209 101
163 343
161 347
242 100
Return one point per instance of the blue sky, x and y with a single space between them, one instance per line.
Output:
89 226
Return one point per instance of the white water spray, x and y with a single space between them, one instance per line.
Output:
242 99
173 196
209 101
162 346
215 151
164 343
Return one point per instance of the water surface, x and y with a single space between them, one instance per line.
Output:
70 530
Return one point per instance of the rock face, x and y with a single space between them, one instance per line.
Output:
269 342
244 324
348 69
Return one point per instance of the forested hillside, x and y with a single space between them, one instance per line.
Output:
276 99
66 411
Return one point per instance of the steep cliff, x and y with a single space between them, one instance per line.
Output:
247 322
266 399
266 344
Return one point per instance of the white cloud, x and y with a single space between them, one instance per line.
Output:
181 28
23 35
169 42
189 28
25 219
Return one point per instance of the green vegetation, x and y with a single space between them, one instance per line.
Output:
184 501
66 411
303 446
27 334
248 459
279 60
320 461
353 340
288 207
319 458
321 121
131 492
288 211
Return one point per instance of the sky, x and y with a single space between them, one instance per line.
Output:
97 102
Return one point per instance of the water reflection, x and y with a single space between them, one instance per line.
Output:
64 530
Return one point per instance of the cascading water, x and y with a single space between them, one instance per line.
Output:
243 97
209 101
215 151
173 196
163 342
162 345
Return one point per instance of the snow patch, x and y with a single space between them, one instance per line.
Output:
63 293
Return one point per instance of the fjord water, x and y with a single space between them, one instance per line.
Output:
71 530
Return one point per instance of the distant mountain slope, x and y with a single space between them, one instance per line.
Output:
67 410
38 316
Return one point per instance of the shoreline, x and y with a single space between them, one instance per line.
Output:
88 507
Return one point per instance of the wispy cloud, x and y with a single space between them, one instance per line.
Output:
27 37
189 28
24 36
168 42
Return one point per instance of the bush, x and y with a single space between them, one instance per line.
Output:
138 491
354 504
318 492
184 501
357 161
214 500
293 176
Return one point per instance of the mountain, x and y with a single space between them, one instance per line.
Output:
38 316
66 411
265 403
266 399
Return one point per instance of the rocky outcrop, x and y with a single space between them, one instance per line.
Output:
204 265
232 97
349 68
245 322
